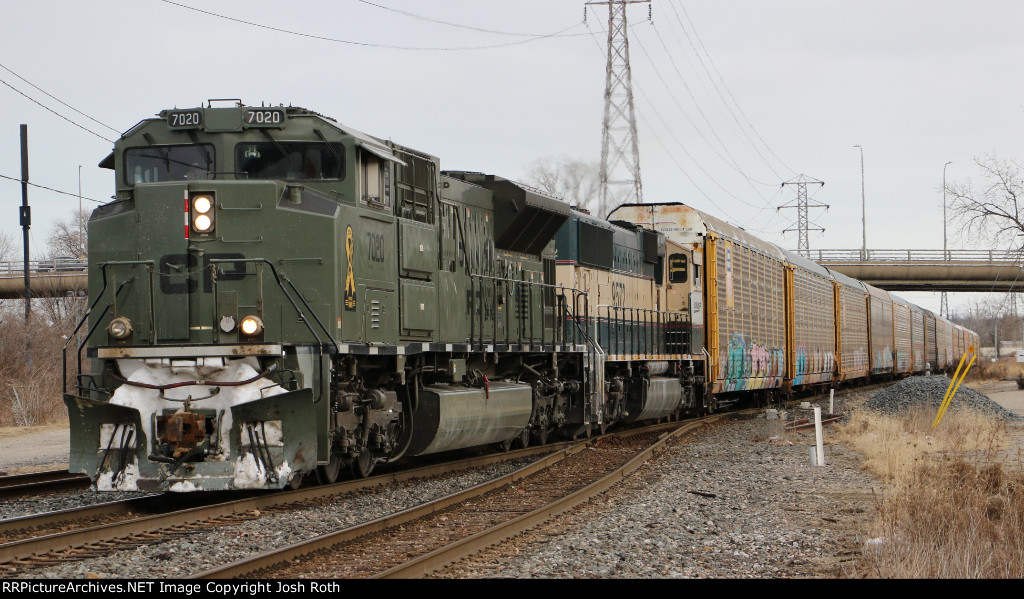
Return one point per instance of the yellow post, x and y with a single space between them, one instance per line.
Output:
954 385
952 382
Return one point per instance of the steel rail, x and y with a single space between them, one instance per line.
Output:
41 482
269 559
14 550
420 566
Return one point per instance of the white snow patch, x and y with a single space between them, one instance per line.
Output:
129 482
250 475
183 486
272 430
160 372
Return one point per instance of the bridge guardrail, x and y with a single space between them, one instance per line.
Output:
47 266
860 255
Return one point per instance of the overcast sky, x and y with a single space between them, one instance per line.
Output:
732 98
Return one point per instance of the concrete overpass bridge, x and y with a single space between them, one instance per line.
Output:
893 270
928 270
48 278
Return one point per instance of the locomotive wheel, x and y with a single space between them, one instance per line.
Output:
603 427
328 473
362 466
523 440
296 481
506 445
542 435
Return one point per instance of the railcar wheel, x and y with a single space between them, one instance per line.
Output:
362 466
328 473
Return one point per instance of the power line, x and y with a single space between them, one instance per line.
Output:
74 195
561 33
30 98
457 25
51 96
725 86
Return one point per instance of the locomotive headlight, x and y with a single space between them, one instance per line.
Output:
202 204
202 223
202 213
120 328
251 326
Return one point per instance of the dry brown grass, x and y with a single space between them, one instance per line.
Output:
30 393
1005 368
951 508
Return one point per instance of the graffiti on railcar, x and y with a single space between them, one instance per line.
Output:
751 366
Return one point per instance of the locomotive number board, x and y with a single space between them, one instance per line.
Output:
263 117
185 119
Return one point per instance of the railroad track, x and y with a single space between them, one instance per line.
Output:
41 482
37 541
417 541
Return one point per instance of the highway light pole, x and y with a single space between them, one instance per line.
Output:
863 208
944 301
944 208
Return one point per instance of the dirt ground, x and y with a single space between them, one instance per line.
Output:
28 449
32 448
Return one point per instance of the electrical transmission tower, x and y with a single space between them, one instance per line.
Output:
802 205
620 150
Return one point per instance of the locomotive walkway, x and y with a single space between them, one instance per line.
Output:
927 270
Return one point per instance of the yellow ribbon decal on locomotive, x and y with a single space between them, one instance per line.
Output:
350 278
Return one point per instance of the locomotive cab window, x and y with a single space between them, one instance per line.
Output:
155 164
677 267
375 181
290 161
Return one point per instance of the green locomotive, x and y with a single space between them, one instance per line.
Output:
275 296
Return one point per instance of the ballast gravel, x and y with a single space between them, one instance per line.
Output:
928 392
739 500
736 500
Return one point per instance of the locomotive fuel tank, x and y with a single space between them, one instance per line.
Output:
654 397
451 417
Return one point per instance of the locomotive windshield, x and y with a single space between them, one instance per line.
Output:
154 164
288 160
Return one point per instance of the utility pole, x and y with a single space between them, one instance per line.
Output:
620 149
25 215
802 205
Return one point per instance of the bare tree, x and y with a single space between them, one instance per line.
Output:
994 209
69 237
6 247
575 181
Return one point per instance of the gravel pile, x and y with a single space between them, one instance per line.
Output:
927 391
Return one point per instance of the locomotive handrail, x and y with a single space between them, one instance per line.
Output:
287 295
645 330
302 317
557 332
99 296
